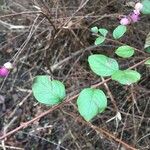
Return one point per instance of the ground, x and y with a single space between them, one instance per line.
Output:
52 37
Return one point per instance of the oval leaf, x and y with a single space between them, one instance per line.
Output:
48 91
91 102
125 51
147 62
99 40
119 31
147 43
146 7
102 65
103 31
94 29
126 77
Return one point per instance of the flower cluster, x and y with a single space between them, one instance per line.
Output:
133 16
4 70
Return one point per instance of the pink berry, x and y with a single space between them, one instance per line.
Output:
8 65
138 6
3 72
124 21
137 12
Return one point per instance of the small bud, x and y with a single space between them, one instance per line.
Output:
4 72
138 6
137 12
8 65
124 21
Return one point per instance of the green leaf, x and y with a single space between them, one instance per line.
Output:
91 102
147 43
102 65
125 51
147 49
94 29
99 40
48 91
146 7
103 31
126 77
147 62
119 31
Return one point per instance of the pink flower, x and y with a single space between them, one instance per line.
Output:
4 72
125 21
134 17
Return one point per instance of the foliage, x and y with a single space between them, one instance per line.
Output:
99 40
101 32
147 62
46 91
146 7
102 65
147 43
126 77
105 66
119 31
125 51
91 102
94 29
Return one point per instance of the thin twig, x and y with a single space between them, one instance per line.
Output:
21 13
24 125
103 131
110 95
108 134
12 147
